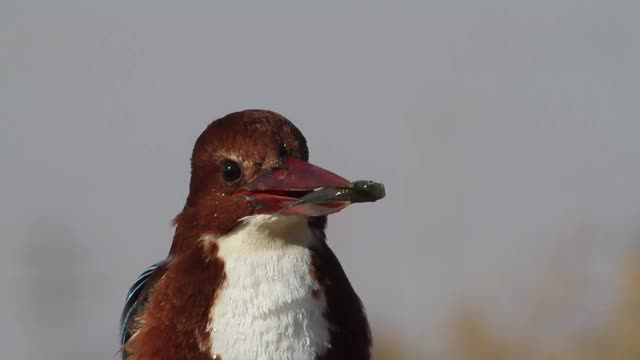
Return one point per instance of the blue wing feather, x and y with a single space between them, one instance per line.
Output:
131 302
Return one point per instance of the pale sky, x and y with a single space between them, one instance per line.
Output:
498 128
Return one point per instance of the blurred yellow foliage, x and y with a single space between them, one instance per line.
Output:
474 336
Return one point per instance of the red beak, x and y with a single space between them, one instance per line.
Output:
291 179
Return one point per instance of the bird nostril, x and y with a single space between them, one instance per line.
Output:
280 165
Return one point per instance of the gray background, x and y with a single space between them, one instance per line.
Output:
500 128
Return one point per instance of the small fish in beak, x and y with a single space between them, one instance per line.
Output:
333 199
296 187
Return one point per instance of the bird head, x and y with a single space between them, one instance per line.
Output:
252 162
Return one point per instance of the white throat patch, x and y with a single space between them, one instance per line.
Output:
266 308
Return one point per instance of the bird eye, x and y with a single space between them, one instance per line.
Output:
283 151
230 170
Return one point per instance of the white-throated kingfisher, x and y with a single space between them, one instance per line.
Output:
247 278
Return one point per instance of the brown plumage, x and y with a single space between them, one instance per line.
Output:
172 312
